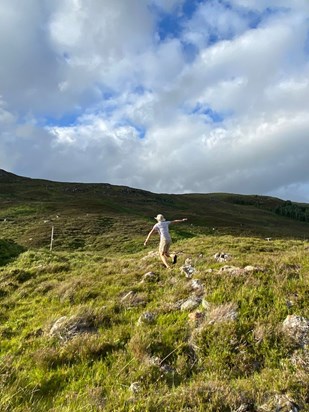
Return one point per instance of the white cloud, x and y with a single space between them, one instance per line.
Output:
90 93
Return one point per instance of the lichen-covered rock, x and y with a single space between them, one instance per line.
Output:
191 303
280 403
65 328
232 270
297 329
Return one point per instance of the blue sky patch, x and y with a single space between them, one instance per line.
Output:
214 116
170 25
66 120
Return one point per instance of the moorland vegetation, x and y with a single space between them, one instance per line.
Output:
98 324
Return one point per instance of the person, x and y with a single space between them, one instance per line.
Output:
162 227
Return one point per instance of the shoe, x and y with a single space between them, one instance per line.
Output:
174 259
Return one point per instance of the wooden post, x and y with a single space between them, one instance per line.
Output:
51 239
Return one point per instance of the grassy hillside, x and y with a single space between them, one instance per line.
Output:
98 324
94 216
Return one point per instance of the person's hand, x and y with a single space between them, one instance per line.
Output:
145 243
184 219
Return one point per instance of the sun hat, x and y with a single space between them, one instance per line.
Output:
160 218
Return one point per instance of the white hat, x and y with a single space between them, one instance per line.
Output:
160 218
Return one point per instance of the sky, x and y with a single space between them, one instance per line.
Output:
170 96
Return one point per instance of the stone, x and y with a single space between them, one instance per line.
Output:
190 303
297 329
65 328
232 270
188 271
149 277
250 268
222 257
147 318
196 284
280 403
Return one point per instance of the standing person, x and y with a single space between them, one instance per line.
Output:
165 239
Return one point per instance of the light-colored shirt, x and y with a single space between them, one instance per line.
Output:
162 228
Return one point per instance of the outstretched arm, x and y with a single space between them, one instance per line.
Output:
148 236
179 220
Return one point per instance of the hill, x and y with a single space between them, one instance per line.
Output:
98 324
88 216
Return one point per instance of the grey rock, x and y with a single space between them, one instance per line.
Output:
149 277
146 318
297 329
188 271
191 303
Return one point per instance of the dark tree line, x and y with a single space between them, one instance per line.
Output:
293 211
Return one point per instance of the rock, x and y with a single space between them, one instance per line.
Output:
197 285
280 403
65 328
147 318
188 271
297 329
233 270
190 303
250 268
149 277
222 257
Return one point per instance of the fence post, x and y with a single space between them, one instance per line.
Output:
51 239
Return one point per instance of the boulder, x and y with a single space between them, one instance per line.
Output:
297 329
191 303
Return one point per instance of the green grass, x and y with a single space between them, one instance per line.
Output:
173 365
105 358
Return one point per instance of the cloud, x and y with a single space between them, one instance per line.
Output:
166 96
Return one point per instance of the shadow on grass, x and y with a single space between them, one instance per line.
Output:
9 250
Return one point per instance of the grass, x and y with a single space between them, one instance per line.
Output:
112 362
123 342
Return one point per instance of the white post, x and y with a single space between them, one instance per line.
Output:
51 239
